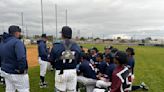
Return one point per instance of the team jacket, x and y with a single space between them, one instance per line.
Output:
102 67
13 54
42 50
121 80
131 63
87 69
109 70
0 52
56 53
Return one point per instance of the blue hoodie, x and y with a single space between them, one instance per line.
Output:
87 69
56 53
0 53
42 50
131 63
13 53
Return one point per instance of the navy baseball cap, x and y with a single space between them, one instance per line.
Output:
114 50
67 31
109 56
94 48
121 57
14 28
44 36
131 50
108 47
100 55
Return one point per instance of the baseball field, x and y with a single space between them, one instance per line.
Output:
149 68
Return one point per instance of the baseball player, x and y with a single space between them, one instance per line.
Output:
93 54
82 49
87 74
1 78
107 50
14 63
121 77
65 56
101 64
131 63
43 59
113 51
105 80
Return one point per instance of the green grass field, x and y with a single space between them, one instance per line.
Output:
149 69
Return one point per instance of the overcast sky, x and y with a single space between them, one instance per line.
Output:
108 18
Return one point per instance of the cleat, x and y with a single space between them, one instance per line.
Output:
144 86
43 85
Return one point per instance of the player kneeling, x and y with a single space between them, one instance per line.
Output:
104 81
121 77
87 74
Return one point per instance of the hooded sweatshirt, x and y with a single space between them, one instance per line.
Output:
13 55
42 50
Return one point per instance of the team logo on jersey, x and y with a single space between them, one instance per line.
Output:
68 55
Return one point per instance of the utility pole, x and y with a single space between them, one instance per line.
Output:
66 16
42 17
26 32
56 17
78 33
22 19
103 38
22 26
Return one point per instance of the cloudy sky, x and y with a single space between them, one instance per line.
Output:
100 18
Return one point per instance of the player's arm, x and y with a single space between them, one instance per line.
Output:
43 50
78 53
20 52
80 70
53 54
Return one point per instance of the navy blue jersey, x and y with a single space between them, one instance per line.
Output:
42 50
109 70
0 52
14 55
93 60
56 53
87 69
102 67
131 63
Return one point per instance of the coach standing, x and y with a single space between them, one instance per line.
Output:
43 59
65 56
1 78
14 63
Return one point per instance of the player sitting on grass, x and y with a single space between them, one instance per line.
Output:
87 74
113 51
101 64
107 50
105 80
93 54
131 62
121 77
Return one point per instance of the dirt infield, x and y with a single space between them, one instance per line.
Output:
32 55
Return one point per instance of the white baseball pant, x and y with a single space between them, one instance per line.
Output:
103 84
88 82
19 82
98 90
67 81
0 71
43 67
